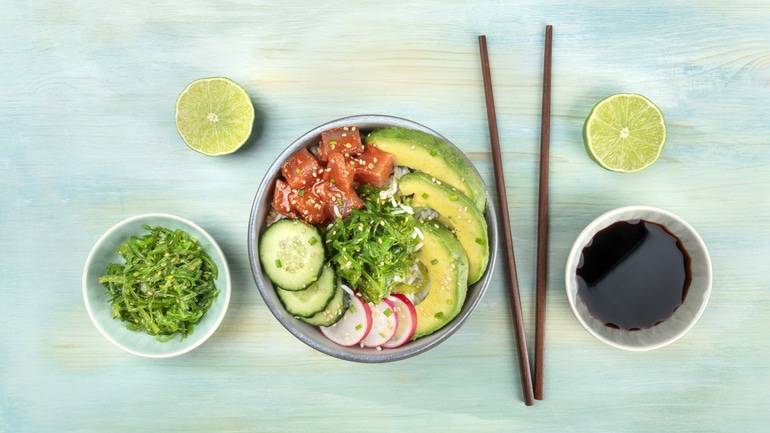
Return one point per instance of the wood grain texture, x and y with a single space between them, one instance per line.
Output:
87 138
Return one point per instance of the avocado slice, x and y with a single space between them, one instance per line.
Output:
457 212
447 267
424 152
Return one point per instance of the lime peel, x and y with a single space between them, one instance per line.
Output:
625 133
214 116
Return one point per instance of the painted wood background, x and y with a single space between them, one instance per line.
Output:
87 139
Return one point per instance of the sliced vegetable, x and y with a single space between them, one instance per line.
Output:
333 311
346 140
292 254
301 170
374 166
312 299
384 324
456 211
354 325
407 321
425 153
448 279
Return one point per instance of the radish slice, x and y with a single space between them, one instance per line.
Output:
354 325
384 324
407 321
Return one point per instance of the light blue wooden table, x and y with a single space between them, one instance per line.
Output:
87 139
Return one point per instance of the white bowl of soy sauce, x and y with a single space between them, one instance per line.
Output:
638 278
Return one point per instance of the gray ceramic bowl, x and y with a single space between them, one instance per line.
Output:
310 335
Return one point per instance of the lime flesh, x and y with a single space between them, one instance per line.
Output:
214 116
625 133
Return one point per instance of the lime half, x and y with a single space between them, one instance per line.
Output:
625 132
214 116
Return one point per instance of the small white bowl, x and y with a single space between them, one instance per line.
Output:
685 316
100 309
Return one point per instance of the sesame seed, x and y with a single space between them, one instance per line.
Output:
344 135
345 128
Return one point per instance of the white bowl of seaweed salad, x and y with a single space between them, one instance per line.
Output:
156 285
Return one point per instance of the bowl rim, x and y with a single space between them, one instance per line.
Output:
341 352
226 291
571 266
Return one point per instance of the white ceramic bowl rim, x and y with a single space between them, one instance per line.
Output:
200 339
603 221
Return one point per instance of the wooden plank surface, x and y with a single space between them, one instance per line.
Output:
87 138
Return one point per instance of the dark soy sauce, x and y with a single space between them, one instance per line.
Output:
633 275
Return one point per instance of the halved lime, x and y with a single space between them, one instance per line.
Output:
625 132
214 116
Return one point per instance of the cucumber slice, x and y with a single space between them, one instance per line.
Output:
333 311
307 302
292 254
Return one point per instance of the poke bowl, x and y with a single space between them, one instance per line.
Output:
372 238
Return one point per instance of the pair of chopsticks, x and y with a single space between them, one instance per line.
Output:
542 222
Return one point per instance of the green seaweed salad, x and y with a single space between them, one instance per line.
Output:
373 246
165 285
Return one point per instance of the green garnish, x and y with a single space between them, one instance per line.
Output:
358 327
454 197
434 262
388 312
165 285
480 241
372 246
278 263
439 315
312 241
301 192
425 195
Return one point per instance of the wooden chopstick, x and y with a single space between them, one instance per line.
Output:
542 215
513 279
